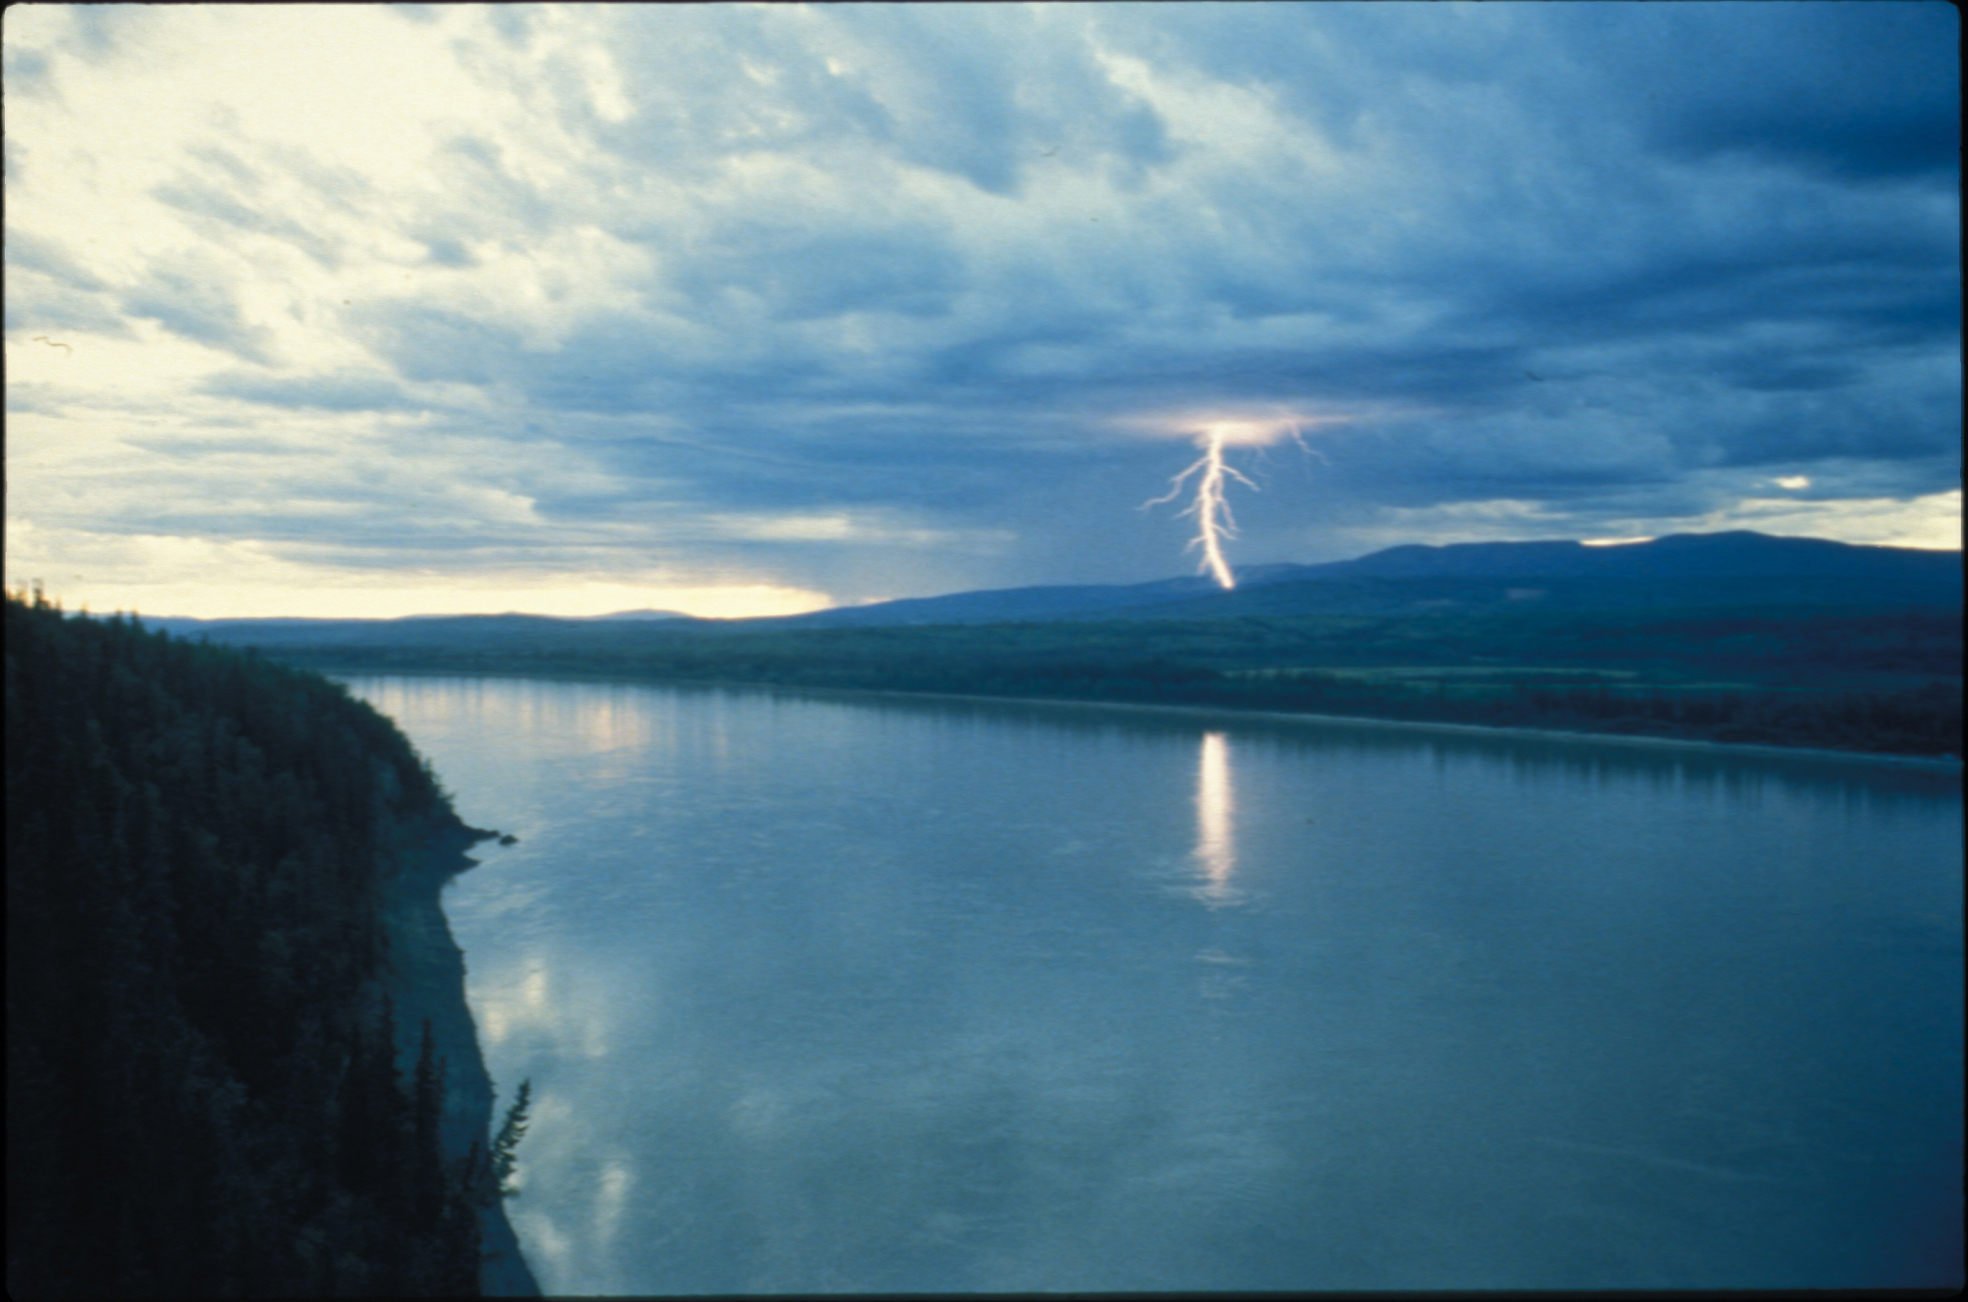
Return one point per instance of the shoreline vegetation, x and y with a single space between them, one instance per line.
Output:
1939 763
1635 736
239 1060
1878 682
1944 763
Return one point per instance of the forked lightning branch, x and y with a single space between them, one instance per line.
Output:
1211 508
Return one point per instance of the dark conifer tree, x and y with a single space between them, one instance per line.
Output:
203 1092
427 1156
505 1147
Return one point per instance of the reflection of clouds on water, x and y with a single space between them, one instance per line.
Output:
543 1239
763 1113
532 1005
574 1207
512 1005
1217 985
1220 1165
611 1196
902 1002
1221 979
611 722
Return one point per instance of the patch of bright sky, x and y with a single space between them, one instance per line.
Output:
1932 521
243 580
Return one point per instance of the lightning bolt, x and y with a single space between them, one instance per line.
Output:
1214 522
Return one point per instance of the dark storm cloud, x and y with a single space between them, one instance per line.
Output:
1540 177
975 91
966 269
1853 91
425 343
1572 247
800 274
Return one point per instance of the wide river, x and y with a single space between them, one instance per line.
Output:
879 995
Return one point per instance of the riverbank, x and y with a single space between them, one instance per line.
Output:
426 979
1224 713
1938 764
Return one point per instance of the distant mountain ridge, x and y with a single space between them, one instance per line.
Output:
1718 569
303 623
1736 554
1696 569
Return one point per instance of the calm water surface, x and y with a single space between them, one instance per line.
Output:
909 996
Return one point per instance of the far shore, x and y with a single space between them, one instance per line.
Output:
1930 763
1937 763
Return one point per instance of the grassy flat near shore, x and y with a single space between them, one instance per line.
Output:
1876 679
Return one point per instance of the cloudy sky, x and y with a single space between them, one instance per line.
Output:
743 309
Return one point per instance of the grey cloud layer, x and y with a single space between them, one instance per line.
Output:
1613 258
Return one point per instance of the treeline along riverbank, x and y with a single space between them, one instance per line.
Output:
220 873
1882 680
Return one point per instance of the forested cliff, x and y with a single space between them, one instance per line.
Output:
204 1095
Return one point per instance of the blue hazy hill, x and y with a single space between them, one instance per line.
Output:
1681 570
1736 568
409 630
1738 554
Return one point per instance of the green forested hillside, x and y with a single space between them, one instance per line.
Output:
203 1092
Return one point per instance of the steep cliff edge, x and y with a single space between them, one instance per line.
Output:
223 949
425 979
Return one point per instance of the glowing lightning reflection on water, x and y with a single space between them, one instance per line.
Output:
1216 848
1213 519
